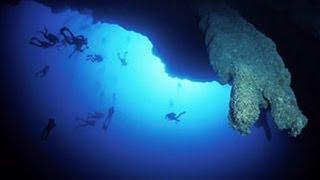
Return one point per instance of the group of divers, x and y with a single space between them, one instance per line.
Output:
80 43
92 118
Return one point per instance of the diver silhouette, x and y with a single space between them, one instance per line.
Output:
109 117
50 41
43 72
123 59
80 42
94 58
263 123
86 122
173 116
90 120
46 131
51 38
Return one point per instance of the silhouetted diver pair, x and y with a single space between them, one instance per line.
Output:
80 42
91 119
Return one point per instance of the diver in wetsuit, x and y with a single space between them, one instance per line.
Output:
110 115
123 59
43 72
51 39
80 42
94 58
86 122
90 120
173 116
108 118
46 131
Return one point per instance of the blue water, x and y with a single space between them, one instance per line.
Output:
139 143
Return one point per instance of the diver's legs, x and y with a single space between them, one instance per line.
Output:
35 41
43 134
47 134
106 123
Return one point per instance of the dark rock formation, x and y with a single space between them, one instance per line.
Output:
247 59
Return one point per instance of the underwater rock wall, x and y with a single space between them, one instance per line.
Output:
249 61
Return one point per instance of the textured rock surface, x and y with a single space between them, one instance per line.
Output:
248 60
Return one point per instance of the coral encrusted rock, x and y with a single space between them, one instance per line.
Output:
248 60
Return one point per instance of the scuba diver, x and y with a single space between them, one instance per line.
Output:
110 114
173 116
123 59
46 131
50 41
43 72
108 118
80 42
90 120
94 58
86 122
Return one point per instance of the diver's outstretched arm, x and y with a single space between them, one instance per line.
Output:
180 114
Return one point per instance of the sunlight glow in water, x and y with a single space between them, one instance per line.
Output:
145 76
143 88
